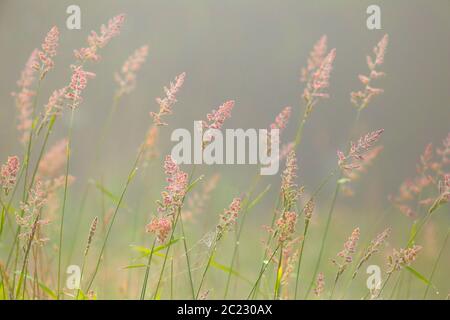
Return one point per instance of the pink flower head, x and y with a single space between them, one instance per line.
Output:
282 119
362 98
217 117
319 81
54 105
172 198
229 217
96 41
315 58
51 42
161 227
8 174
357 151
286 226
166 103
350 246
24 98
49 47
78 83
127 77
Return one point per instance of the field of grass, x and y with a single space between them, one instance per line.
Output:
145 227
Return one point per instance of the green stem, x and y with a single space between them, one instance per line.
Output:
277 287
186 253
241 227
119 203
324 237
305 232
208 264
430 279
63 210
261 272
178 216
147 271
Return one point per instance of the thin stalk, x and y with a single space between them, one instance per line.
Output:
119 203
178 216
26 165
261 272
186 253
305 232
324 237
147 271
208 264
239 233
63 210
85 194
436 264
23 272
277 287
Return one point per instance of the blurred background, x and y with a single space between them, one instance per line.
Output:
250 51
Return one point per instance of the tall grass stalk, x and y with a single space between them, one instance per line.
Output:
63 209
239 233
172 233
436 263
147 271
116 210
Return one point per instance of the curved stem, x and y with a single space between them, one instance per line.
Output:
119 203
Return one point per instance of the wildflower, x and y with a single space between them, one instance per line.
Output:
280 123
444 193
172 200
48 50
373 247
24 97
8 173
320 284
319 81
286 226
229 217
92 230
96 41
431 170
289 188
30 221
402 258
166 103
346 254
309 209
161 227
282 119
363 97
358 151
127 76
315 58
177 187
53 161
54 105
78 83
289 258
217 117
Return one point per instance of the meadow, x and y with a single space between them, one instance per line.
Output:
132 223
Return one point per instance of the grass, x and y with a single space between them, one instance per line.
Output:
204 243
